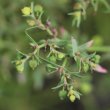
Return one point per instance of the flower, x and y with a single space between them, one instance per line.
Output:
100 69
26 11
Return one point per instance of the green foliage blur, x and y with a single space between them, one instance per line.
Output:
32 90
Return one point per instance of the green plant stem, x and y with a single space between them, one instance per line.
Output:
72 73
64 63
29 37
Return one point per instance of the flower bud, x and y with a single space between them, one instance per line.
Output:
62 94
85 67
72 98
31 22
26 11
61 55
38 8
52 58
33 63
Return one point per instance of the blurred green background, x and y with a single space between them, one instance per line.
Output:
32 90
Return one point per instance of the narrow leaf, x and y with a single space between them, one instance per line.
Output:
74 46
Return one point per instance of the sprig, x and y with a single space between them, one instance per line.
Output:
62 55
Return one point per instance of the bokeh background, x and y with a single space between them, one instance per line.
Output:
32 90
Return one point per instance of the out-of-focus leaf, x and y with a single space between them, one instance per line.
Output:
50 68
58 86
77 94
78 61
87 56
38 79
20 55
74 46
85 46
20 65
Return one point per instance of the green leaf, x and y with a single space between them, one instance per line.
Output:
77 75
20 55
74 46
77 18
95 4
78 61
49 31
29 37
85 67
85 46
85 55
77 94
61 42
96 59
50 68
52 58
58 86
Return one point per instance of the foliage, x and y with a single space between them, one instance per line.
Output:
60 51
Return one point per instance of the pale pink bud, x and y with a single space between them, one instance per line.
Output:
48 23
100 69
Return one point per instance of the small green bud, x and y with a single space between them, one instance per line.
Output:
72 98
20 65
18 62
61 56
20 68
85 67
97 58
33 63
62 94
31 22
38 8
52 58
